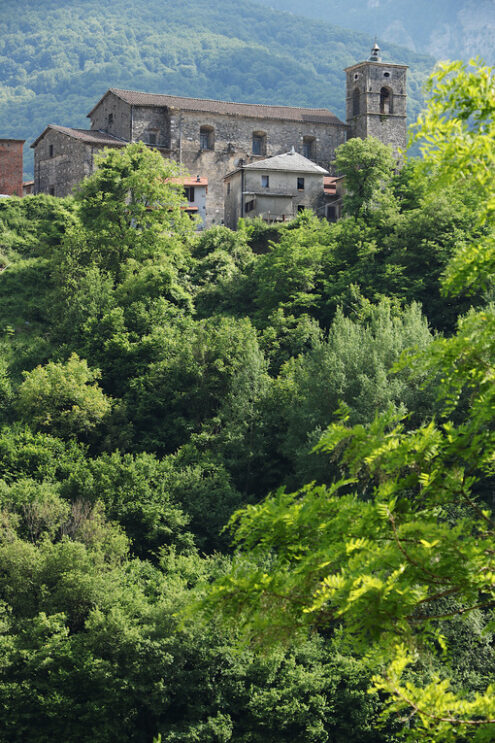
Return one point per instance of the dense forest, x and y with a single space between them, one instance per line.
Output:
155 380
53 73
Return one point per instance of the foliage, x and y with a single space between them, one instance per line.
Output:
376 553
154 381
367 166
128 206
63 399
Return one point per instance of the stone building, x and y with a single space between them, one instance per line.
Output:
376 101
11 163
64 156
211 138
275 189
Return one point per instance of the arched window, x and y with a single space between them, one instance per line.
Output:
355 102
206 138
386 101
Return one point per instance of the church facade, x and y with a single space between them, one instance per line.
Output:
212 138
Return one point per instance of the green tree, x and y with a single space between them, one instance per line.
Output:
380 568
128 207
368 166
63 399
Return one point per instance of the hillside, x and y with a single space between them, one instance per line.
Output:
456 29
56 60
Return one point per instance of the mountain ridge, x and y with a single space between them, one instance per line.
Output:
455 28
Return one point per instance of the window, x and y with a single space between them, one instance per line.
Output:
386 101
259 143
152 138
355 102
332 213
249 206
265 181
300 184
50 149
309 147
228 187
110 120
206 139
189 193
300 207
52 190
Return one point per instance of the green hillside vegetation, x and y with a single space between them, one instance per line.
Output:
154 381
57 60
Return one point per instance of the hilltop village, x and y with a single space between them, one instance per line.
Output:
244 159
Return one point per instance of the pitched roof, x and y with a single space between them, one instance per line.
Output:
84 135
206 105
288 161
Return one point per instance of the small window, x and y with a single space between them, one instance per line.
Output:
259 143
300 184
386 101
152 138
52 190
355 102
265 181
110 120
249 206
206 139
309 147
228 187
50 149
386 74
300 207
189 193
332 213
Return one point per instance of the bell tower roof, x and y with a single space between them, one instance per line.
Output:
375 54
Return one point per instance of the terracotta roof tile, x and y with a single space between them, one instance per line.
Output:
189 181
85 135
205 105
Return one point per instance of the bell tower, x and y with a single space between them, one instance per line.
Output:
376 100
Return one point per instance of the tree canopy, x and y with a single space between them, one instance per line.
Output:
402 539
156 382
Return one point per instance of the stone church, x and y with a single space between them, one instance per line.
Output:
212 138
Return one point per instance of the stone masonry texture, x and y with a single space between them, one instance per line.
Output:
213 138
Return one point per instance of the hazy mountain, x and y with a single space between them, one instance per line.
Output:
446 29
57 58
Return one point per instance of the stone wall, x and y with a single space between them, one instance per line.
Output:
368 78
112 115
11 166
280 200
59 170
232 141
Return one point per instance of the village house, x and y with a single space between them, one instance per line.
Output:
275 189
195 191
214 138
